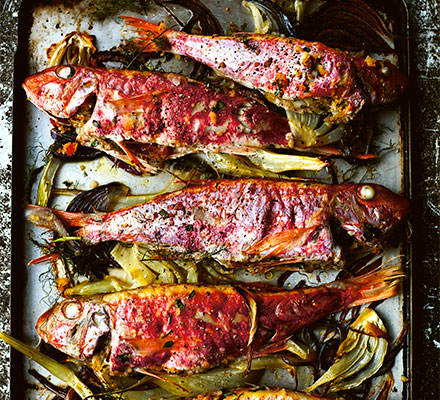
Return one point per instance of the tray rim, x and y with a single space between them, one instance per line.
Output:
18 275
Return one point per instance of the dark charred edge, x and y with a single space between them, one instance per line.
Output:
62 393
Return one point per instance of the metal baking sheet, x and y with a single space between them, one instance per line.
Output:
46 22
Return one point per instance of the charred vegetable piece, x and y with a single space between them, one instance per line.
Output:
46 181
359 356
261 394
351 25
77 48
278 21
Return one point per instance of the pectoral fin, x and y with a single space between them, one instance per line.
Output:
280 243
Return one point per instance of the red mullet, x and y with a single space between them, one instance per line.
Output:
257 222
296 74
190 328
144 117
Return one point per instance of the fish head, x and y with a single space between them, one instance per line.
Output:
381 81
74 327
369 212
60 91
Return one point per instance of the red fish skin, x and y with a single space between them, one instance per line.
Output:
161 109
177 328
206 329
223 219
189 328
250 220
275 65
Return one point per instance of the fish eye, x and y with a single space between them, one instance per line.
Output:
366 192
65 72
72 309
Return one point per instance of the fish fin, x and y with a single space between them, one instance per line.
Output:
45 258
281 242
47 217
141 166
377 284
128 104
149 34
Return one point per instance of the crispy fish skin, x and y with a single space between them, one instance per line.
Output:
256 221
189 328
171 113
261 394
285 69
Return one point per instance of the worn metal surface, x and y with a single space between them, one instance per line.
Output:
425 15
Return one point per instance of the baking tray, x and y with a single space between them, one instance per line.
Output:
31 134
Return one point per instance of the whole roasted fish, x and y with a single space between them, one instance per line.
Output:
142 117
190 328
296 74
259 221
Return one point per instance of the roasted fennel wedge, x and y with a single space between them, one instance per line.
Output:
61 371
359 356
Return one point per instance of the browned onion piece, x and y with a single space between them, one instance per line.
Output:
350 25
98 199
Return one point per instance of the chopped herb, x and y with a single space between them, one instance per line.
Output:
189 228
179 304
97 124
124 358
164 335
164 214
168 344
218 106
306 49
191 295
169 318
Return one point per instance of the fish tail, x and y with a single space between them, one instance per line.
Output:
378 284
54 219
149 34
